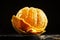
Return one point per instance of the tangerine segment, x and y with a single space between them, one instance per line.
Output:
30 20
34 16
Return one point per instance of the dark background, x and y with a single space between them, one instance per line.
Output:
9 8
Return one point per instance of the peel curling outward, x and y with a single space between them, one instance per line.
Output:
30 21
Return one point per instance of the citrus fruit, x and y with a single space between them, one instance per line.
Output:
30 21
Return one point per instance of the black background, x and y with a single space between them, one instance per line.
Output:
9 8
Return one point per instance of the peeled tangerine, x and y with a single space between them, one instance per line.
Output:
30 21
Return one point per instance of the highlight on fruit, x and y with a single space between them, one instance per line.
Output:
30 20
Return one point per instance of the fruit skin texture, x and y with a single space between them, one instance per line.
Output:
30 21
